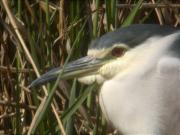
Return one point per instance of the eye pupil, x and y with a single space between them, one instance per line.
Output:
118 51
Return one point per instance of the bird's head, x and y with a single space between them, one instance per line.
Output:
114 53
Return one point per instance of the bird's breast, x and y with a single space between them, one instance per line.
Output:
129 105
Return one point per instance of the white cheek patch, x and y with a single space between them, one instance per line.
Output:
91 79
113 68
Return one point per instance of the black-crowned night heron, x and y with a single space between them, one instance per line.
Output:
139 69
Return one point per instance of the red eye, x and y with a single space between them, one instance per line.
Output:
118 51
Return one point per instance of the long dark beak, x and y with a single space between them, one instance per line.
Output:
81 67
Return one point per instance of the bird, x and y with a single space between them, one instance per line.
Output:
138 68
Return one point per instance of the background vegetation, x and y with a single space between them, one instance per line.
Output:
38 34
